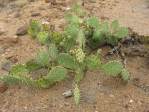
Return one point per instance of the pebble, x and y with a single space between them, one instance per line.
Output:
47 1
6 65
10 40
67 104
31 0
131 101
33 14
68 93
52 2
15 39
3 87
21 3
13 59
17 14
93 1
22 30
42 8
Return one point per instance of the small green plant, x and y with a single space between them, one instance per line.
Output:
103 32
43 33
34 28
115 69
93 62
43 37
76 94
68 51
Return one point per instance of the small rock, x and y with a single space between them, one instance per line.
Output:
47 1
63 9
93 1
14 39
6 66
3 87
67 104
9 41
68 8
33 14
20 3
13 59
126 106
53 2
31 0
22 30
68 93
42 8
131 101
17 14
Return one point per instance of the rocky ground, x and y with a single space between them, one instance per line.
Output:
99 93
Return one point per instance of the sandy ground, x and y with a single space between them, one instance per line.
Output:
99 93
